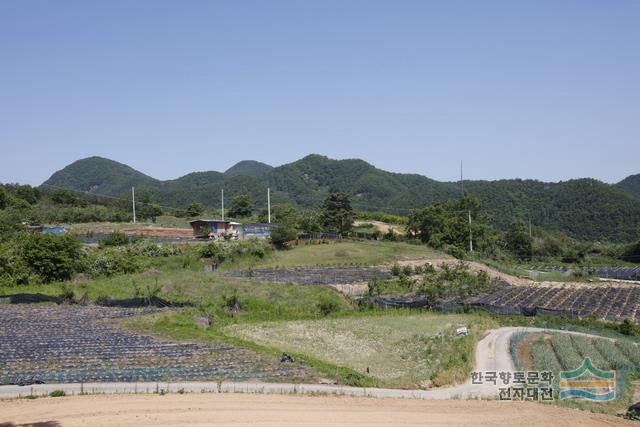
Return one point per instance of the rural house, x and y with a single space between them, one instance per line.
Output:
214 228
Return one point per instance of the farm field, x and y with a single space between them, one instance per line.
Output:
604 301
62 344
398 350
562 352
313 275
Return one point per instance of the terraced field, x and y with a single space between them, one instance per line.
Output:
60 344
603 301
313 275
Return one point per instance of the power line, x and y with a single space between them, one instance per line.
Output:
87 193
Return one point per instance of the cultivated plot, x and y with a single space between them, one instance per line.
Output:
60 344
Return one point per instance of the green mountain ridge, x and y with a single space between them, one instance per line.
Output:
584 208
248 168
631 185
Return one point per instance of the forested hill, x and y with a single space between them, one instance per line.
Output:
248 168
585 208
100 175
631 185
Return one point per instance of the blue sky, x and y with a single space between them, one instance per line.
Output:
530 89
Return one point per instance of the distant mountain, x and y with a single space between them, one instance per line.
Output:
101 176
584 208
631 185
248 168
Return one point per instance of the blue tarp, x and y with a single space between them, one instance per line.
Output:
52 230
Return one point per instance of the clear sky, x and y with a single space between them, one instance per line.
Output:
530 89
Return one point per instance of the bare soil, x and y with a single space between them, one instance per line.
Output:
151 231
279 410
383 227
525 348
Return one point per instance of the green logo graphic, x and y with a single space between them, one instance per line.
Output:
588 382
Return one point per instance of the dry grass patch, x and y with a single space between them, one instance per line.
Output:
399 350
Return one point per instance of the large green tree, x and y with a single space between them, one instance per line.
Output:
336 212
194 209
241 206
447 224
53 258
518 240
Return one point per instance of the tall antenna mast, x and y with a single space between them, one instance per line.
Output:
269 204
133 202
222 198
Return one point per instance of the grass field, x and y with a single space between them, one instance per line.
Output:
400 350
339 253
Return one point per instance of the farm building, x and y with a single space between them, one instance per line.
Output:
214 228
260 230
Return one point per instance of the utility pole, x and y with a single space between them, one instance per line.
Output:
470 234
269 204
133 202
222 198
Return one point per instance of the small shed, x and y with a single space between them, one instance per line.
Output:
214 228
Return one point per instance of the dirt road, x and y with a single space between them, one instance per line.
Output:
273 410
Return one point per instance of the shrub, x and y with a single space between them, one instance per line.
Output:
232 304
51 257
282 235
326 306
67 293
396 270
627 327
456 252
153 250
116 238
407 270
253 247
213 251
428 269
57 393
13 270
113 262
